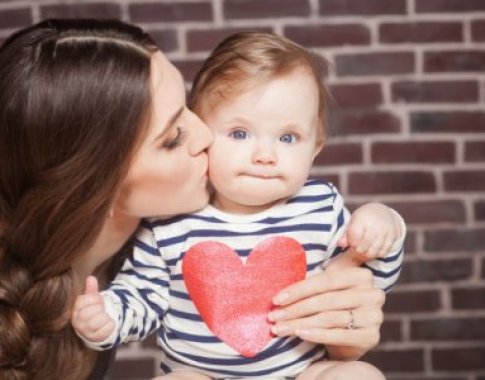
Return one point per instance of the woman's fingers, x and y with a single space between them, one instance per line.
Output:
336 300
361 317
327 281
365 337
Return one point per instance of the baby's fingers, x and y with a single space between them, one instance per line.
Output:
377 245
355 234
91 295
363 243
87 300
97 328
104 332
387 245
92 286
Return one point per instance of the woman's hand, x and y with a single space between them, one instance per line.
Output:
339 308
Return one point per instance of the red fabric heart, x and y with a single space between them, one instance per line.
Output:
234 298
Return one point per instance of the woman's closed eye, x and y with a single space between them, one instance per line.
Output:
175 141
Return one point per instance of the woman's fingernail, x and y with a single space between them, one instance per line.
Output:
281 298
280 329
276 315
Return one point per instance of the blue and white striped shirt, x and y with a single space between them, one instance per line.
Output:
150 294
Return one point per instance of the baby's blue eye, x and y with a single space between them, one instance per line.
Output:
288 138
239 134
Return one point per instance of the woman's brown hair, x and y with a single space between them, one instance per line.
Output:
74 99
249 59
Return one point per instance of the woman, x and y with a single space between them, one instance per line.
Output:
94 136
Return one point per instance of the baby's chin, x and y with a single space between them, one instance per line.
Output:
260 202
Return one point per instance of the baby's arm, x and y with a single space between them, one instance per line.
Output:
374 235
374 231
136 300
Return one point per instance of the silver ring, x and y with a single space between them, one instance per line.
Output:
351 323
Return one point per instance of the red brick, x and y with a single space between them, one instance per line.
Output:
362 122
137 368
458 359
421 32
448 121
432 152
454 61
88 10
472 298
15 18
340 154
391 331
188 68
356 95
165 39
208 39
253 9
412 301
448 329
436 270
469 180
362 7
384 63
455 240
410 243
435 91
449 6
431 211
479 210
329 35
398 360
478 30
404 182
475 151
170 12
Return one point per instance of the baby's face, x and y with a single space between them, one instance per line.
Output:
265 141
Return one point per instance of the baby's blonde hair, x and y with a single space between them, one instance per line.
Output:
248 59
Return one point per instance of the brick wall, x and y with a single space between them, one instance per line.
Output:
408 129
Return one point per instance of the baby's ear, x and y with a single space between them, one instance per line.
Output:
318 147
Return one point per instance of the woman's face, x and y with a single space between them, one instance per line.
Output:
169 172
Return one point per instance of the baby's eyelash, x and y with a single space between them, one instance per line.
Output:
175 141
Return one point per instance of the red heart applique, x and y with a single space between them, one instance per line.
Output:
234 298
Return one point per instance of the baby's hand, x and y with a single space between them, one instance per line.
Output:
372 231
89 317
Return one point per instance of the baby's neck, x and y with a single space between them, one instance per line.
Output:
235 208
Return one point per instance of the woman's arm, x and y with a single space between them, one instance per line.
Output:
321 308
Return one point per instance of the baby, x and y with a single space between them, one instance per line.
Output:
205 280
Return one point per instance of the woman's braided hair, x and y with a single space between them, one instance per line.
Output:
74 99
